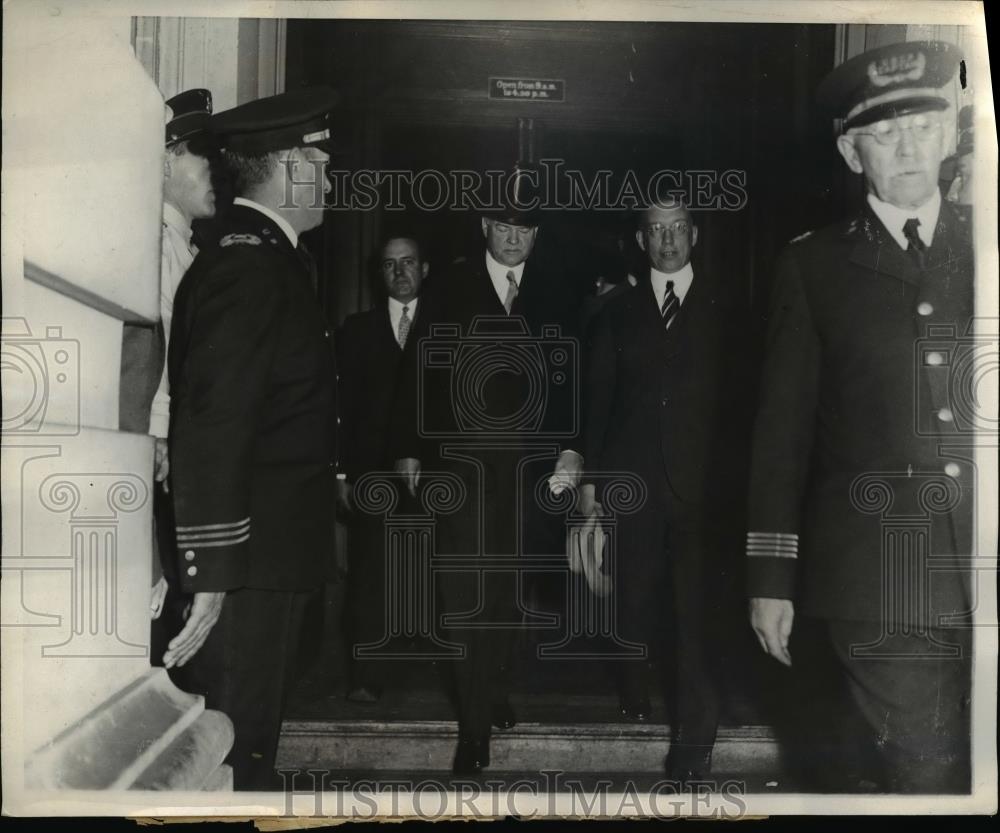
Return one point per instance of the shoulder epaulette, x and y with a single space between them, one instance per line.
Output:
801 237
240 239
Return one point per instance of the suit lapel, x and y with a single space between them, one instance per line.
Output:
877 251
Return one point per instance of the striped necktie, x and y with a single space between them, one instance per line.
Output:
404 327
670 306
508 302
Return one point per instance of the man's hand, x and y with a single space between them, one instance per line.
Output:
201 618
161 463
409 469
569 470
586 502
771 620
345 497
157 598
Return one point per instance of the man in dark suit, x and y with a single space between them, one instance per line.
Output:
861 492
659 382
371 346
253 426
504 436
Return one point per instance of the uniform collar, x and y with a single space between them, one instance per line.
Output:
279 221
893 218
173 218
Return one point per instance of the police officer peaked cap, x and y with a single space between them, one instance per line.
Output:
299 118
893 80
189 114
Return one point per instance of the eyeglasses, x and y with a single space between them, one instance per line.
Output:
677 229
890 131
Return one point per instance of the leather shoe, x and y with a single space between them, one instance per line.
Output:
686 763
503 715
471 755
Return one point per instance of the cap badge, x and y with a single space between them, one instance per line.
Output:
896 69
237 239
319 135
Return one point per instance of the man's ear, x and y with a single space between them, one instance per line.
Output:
845 144
694 236
640 239
485 224
424 269
166 164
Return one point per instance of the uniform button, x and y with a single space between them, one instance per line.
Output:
933 359
326 333
945 415
338 420
189 555
924 308
192 570
953 469
663 402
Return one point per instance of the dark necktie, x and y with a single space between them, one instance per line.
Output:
916 249
670 306
508 302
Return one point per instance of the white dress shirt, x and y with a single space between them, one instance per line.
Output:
498 274
682 279
893 218
279 221
177 252
396 313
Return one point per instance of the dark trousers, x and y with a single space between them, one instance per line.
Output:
486 601
244 670
899 720
667 590
365 606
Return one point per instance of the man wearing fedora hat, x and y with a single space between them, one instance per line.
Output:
253 425
510 296
856 436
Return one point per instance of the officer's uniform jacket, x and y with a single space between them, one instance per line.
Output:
857 442
253 415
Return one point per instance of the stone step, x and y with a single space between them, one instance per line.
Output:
135 734
193 761
353 745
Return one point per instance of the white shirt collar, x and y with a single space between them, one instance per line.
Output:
498 274
173 218
396 312
682 279
279 221
893 218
